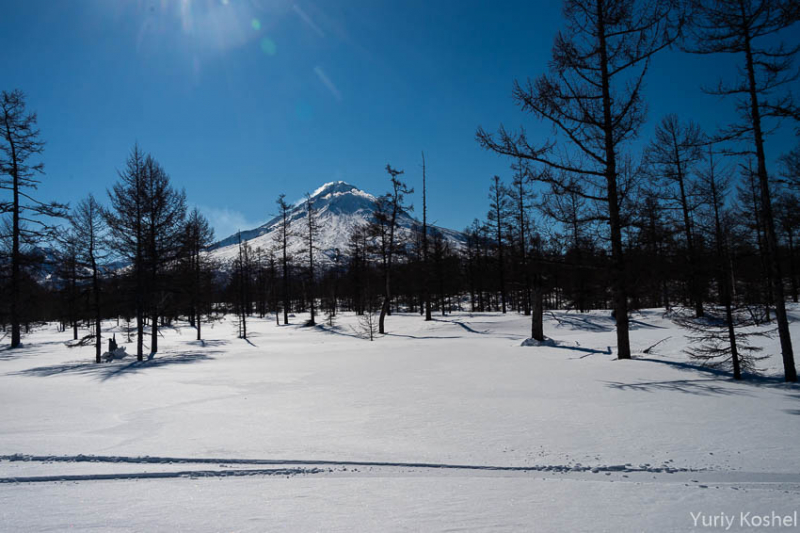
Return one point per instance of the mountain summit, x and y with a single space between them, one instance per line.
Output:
341 208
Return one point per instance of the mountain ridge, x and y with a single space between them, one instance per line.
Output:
341 208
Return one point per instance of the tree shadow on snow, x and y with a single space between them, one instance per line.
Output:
586 351
718 384
595 324
336 330
566 345
469 329
638 324
462 325
28 351
206 343
698 387
8 354
106 371
418 337
755 380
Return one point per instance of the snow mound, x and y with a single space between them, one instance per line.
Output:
119 353
546 342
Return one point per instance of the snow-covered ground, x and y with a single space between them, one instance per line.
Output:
445 425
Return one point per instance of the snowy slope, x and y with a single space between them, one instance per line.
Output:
439 426
341 208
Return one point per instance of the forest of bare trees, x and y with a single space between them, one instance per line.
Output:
594 216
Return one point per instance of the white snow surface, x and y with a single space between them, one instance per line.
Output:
437 426
341 208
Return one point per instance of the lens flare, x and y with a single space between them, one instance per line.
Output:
268 46
256 24
326 81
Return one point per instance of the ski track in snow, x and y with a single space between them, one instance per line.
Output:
160 475
187 460
222 467
282 468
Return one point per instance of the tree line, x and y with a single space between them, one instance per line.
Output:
694 223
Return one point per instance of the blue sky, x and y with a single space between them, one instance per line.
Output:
242 100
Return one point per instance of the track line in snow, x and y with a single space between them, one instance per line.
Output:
626 468
222 468
162 475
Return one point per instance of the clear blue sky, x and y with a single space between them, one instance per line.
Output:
242 100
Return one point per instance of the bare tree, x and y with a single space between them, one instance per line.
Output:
272 282
242 273
593 99
521 198
714 186
788 218
19 142
568 208
197 237
165 212
753 219
125 218
721 339
499 207
312 232
282 237
67 270
357 254
390 206
89 227
426 289
672 154
147 219
366 324
747 28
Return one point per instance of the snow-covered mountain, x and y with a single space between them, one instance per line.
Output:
341 208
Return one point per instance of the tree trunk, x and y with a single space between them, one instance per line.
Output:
537 315
724 282
195 293
384 312
790 371
311 282
426 292
387 288
16 338
737 371
98 334
501 268
792 267
285 288
694 282
618 269
154 332
526 296
139 333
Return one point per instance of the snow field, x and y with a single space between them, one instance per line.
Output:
583 441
